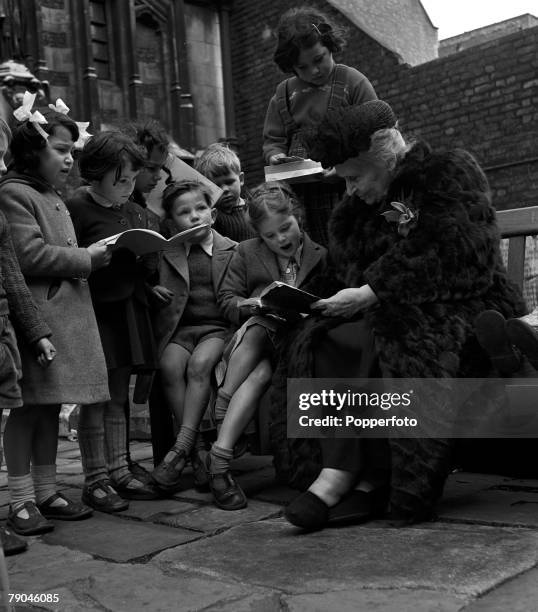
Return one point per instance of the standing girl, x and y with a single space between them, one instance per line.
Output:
55 269
110 163
281 252
307 41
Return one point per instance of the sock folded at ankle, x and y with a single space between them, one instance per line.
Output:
220 459
21 490
44 477
185 442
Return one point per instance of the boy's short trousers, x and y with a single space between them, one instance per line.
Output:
10 366
190 336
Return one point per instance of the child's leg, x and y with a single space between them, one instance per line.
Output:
21 426
243 405
199 370
116 438
173 366
91 439
254 345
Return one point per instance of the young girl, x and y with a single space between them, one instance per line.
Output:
15 303
110 163
189 327
282 252
55 269
307 40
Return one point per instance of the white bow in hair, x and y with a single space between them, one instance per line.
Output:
60 107
83 134
24 112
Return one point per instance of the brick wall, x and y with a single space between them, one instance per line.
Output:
484 98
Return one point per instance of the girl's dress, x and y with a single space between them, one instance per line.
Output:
118 290
56 273
297 103
15 303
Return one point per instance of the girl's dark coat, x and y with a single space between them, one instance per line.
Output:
430 285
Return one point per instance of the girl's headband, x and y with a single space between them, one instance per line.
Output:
24 113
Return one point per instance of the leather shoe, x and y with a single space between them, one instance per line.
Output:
359 506
307 511
139 472
167 475
130 487
108 502
71 511
201 479
11 543
227 494
35 524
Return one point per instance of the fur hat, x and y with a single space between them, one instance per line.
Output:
345 132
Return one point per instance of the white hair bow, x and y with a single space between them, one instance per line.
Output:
83 134
60 107
24 112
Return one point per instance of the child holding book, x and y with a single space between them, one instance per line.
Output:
109 163
282 251
307 43
221 165
189 328
55 269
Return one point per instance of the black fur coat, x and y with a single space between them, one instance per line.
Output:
431 284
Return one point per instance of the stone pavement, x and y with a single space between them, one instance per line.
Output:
184 554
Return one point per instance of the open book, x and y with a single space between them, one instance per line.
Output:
281 299
299 170
144 241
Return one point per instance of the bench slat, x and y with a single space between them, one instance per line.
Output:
516 259
518 221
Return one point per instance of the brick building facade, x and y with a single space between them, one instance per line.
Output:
484 98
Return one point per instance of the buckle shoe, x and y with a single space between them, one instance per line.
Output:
227 494
109 502
167 475
35 524
72 511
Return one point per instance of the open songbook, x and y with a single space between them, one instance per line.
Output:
281 299
144 241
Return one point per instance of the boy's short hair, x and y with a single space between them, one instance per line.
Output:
27 141
106 151
217 160
177 188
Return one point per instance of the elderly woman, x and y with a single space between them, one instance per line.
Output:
415 252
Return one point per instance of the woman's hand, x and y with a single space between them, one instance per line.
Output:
100 255
277 158
347 302
162 294
45 352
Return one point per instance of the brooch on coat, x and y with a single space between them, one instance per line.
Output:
405 217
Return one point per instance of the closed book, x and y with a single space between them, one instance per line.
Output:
294 171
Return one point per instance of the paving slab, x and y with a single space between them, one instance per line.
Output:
493 507
210 519
262 601
144 510
116 538
44 568
459 559
517 595
385 600
146 587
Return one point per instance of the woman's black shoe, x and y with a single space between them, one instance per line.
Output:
307 511
359 506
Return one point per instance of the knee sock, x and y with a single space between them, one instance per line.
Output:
21 490
221 406
115 446
185 442
92 453
220 459
44 477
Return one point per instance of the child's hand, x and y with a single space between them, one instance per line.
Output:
45 352
100 255
162 294
277 158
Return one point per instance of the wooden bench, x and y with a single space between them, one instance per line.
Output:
516 224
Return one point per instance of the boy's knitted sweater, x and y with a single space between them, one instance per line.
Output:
233 224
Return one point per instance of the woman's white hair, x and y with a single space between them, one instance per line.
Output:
388 146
